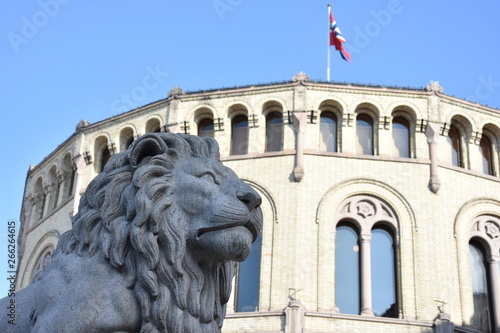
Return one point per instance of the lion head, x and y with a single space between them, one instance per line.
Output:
169 216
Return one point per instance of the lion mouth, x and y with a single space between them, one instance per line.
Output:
248 225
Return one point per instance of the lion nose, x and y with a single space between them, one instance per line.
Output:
251 199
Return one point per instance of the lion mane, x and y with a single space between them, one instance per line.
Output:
129 212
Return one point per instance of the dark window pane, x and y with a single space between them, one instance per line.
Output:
248 280
383 274
328 132
401 136
364 131
274 132
485 149
454 143
347 286
206 128
482 318
239 136
106 155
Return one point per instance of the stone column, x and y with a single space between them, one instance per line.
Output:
299 123
432 133
442 324
294 317
366 276
494 262
81 166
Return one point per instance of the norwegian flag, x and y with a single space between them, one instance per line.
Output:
336 38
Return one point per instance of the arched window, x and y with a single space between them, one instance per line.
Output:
101 153
274 131
68 175
401 136
484 254
206 128
454 146
328 132
365 260
347 274
481 289
239 135
485 150
153 126
364 132
383 273
126 138
42 261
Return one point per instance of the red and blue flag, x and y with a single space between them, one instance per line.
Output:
336 38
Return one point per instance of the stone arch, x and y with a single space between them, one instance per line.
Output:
325 218
101 152
127 136
330 137
67 175
492 133
407 113
52 188
153 125
50 239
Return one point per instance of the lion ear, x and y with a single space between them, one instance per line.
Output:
146 146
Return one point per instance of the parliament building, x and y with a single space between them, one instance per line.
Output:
381 204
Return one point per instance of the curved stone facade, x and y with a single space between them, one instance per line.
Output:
322 156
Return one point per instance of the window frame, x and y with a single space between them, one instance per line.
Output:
366 213
335 120
372 122
234 151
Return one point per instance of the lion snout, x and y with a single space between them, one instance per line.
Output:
250 198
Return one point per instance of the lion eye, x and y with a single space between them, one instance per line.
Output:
210 177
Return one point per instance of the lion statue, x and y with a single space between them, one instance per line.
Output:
152 248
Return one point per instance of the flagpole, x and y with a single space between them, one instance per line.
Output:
328 61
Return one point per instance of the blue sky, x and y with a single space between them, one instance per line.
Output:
66 60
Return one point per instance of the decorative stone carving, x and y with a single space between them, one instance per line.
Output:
365 209
492 230
152 248
301 77
434 87
81 125
175 92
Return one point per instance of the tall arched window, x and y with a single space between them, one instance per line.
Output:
328 132
248 280
401 136
347 275
274 131
481 290
485 150
101 153
364 132
206 128
365 260
239 135
454 145
126 138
